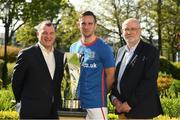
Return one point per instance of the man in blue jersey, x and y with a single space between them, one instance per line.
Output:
97 68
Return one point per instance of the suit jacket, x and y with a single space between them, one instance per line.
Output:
138 85
32 84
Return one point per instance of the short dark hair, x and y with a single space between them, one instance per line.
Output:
89 13
44 23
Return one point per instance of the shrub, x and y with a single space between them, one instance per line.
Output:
175 88
12 52
111 108
170 68
1 66
164 82
177 64
6 97
8 115
112 116
165 117
171 107
160 117
10 67
1 84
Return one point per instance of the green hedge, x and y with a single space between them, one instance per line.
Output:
171 107
7 99
165 117
9 115
1 84
170 68
111 108
112 116
10 67
175 89
1 66
164 82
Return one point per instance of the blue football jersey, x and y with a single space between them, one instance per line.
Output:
94 58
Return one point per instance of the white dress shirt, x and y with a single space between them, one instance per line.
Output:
49 58
125 60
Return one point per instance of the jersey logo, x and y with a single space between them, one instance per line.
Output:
90 54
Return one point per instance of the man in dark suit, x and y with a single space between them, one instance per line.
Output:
134 93
37 76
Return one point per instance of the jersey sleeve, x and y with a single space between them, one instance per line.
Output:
107 57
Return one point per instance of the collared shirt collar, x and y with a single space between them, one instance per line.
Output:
44 49
132 49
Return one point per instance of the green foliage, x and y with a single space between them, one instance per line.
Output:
1 84
68 31
26 35
167 67
48 9
9 115
111 108
165 117
175 88
171 107
12 52
10 67
177 64
6 98
169 25
163 15
160 117
112 116
164 82
1 66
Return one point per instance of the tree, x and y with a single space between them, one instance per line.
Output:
26 35
148 16
164 18
67 30
159 4
171 19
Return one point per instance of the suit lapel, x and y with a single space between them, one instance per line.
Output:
41 60
119 65
56 63
134 57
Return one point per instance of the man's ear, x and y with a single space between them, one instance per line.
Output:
37 33
95 26
78 24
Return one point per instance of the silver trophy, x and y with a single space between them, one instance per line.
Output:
69 86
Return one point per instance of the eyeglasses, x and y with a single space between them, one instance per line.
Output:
130 29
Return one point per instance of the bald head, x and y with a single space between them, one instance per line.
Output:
131 20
